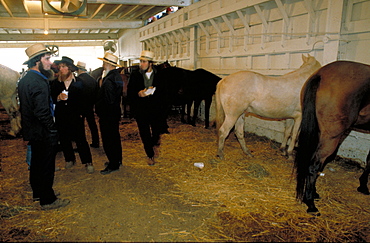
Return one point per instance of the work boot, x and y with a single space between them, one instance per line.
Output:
151 161
89 168
70 164
56 204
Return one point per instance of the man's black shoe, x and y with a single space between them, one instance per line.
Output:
107 163
36 199
94 145
107 171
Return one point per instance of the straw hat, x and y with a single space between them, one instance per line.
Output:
35 50
110 58
81 65
147 55
66 60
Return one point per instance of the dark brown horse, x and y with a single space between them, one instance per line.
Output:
335 100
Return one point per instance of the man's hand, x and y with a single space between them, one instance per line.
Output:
142 93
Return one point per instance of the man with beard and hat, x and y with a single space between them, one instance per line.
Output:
90 92
67 94
147 102
108 109
38 126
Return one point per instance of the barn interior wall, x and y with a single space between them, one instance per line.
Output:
266 36
129 47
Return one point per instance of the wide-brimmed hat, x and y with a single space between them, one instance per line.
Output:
35 50
146 55
81 65
66 60
111 59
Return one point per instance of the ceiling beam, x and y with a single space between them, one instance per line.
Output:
180 3
97 11
61 37
60 44
56 23
6 7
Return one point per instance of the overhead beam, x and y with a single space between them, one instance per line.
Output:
60 44
56 23
123 14
97 11
6 7
61 37
180 3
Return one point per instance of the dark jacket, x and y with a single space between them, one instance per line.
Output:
153 102
35 107
72 107
108 104
89 90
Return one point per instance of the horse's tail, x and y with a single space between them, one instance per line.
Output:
309 135
220 113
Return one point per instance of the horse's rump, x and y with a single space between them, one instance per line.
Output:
334 101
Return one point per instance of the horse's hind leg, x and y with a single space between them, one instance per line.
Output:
327 150
223 132
287 132
239 132
294 135
207 107
365 177
195 111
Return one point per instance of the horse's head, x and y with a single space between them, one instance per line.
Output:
310 61
164 65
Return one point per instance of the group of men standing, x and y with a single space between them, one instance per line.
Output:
74 98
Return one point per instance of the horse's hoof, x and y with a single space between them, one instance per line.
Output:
220 157
363 190
313 211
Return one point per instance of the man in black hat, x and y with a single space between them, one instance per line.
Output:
38 126
66 92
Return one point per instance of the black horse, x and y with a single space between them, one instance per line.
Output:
185 87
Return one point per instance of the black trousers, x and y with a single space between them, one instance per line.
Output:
72 128
150 126
111 138
90 118
42 169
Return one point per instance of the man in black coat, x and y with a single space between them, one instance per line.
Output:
39 129
108 109
90 92
68 112
147 99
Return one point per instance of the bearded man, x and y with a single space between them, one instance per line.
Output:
39 129
67 94
108 109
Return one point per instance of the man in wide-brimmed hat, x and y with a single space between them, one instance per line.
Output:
39 127
146 101
108 109
90 92
67 94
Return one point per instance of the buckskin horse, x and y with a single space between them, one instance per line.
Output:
8 97
267 97
335 100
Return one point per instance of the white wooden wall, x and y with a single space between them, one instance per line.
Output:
267 36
